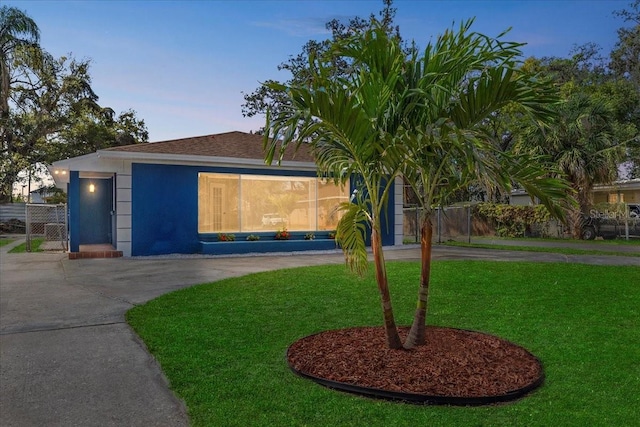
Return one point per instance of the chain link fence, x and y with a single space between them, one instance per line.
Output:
454 223
48 222
462 223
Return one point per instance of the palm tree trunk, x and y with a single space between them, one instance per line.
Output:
393 339
417 332
575 217
576 213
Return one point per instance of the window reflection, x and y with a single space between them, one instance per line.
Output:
218 203
250 203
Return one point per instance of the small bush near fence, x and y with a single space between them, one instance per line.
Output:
513 220
12 226
12 218
460 223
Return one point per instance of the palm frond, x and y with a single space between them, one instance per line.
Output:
350 234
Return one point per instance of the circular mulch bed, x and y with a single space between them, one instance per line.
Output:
455 367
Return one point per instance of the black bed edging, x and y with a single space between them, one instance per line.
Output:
417 398
422 398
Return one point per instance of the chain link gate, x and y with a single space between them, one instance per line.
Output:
49 222
453 223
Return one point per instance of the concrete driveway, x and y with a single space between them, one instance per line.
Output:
67 357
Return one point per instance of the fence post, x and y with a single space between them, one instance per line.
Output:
417 227
626 227
439 208
469 222
27 226
66 226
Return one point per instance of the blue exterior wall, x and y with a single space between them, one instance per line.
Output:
164 211
73 201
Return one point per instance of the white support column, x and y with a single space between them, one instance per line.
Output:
123 209
398 213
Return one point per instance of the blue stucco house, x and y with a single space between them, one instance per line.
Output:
192 195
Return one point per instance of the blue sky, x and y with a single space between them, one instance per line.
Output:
183 65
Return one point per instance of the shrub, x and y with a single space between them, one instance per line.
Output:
510 220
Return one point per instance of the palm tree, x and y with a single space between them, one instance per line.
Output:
581 141
16 30
351 125
412 115
456 85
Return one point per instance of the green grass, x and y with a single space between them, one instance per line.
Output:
4 242
222 345
567 251
604 243
22 248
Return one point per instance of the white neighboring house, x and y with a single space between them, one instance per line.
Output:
623 191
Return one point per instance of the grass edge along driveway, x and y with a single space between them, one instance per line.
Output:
222 345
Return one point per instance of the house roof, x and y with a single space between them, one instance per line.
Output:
229 145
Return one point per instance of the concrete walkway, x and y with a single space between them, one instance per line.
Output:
67 357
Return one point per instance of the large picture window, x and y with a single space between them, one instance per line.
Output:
250 203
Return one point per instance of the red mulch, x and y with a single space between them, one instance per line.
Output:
454 363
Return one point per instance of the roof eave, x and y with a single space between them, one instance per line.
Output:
627 184
198 159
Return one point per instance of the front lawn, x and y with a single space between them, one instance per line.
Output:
222 345
606 249
4 242
22 247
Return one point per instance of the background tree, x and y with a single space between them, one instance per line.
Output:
44 93
17 31
595 126
92 128
625 56
52 112
268 96
581 142
625 64
612 79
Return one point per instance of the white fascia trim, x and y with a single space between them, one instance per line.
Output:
629 184
68 163
60 169
189 159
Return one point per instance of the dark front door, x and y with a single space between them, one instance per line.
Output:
96 206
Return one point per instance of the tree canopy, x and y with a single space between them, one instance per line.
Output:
614 77
625 63
48 109
625 57
269 97
596 124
